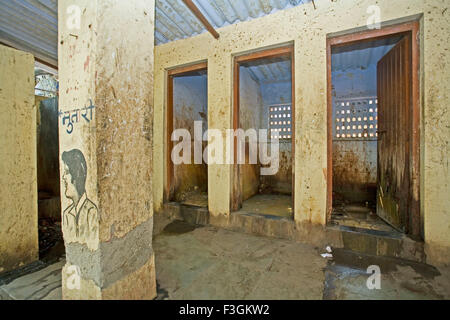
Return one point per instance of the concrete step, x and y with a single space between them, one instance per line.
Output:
371 242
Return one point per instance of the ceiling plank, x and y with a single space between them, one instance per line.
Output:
201 17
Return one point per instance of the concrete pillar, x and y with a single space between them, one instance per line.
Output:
105 135
18 187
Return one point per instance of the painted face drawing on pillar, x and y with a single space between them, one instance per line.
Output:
80 217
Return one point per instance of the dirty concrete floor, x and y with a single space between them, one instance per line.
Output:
198 199
42 284
269 204
359 216
346 276
40 280
213 263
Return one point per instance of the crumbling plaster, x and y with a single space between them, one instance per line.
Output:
307 28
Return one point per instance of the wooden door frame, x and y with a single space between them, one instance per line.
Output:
169 172
282 51
411 28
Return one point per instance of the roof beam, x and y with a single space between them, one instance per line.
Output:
201 17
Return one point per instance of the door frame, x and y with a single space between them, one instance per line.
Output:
169 172
281 51
414 225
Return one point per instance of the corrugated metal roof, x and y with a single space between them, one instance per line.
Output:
269 70
361 55
31 25
175 21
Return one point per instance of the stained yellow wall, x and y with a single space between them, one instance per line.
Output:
18 187
107 63
76 54
307 28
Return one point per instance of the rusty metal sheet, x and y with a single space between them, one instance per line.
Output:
394 102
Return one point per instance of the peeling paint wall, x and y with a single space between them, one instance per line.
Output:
105 134
281 182
190 101
354 161
355 171
308 28
250 109
274 93
255 99
353 83
18 187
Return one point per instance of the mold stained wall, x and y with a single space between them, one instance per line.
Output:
47 146
273 93
255 98
49 201
354 161
190 101
18 173
308 28
250 109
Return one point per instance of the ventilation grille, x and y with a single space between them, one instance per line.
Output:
280 120
355 119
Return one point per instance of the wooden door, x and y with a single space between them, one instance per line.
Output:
394 134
